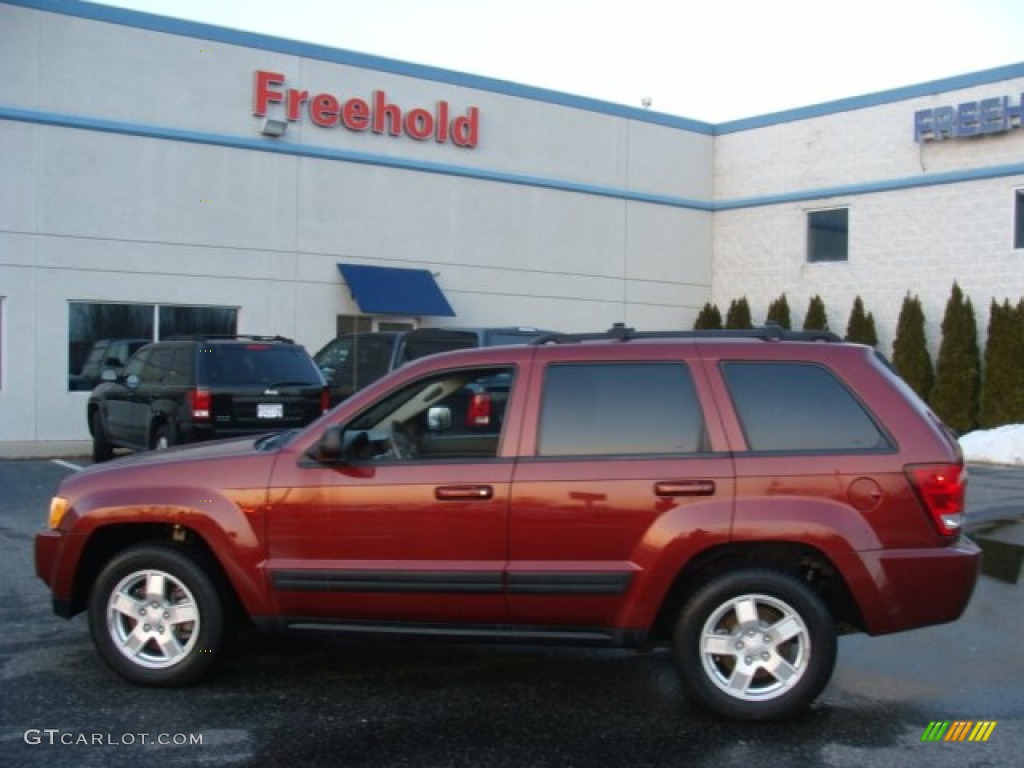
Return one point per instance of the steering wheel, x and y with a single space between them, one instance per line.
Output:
403 444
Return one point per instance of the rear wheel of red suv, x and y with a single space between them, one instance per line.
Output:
156 617
755 644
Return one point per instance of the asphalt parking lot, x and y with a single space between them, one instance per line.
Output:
300 701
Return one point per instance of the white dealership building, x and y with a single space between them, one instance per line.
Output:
162 175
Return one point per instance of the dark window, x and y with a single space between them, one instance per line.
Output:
799 407
157 363
111 331
1018 219
197 321
828 235
353 362
352 324
255 365
616 409
89 323
139 362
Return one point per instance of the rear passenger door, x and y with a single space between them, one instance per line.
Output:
618 466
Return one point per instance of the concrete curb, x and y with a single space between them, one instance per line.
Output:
45 449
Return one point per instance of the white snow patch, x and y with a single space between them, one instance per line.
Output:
1002 445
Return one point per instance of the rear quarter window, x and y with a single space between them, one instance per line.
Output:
799 407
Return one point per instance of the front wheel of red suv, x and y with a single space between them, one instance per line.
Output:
156 617
755 644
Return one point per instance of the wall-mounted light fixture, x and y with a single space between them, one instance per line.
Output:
275 128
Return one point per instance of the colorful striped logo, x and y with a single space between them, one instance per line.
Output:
958 730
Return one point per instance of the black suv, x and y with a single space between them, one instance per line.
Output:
353 361
185 390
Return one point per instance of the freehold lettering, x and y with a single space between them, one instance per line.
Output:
377 114
971 118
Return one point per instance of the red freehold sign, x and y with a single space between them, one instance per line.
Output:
376 114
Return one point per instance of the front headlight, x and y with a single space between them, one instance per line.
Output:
58 507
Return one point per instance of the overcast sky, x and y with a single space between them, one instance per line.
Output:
712 61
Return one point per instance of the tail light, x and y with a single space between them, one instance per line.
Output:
201 403
325 400
941 489
479 413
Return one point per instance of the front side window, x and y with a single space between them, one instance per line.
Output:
799 407
455 415
616 409
139 363
828 235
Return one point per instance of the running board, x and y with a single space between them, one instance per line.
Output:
498 633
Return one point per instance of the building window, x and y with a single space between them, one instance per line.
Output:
104 335
1018 219
349 324
828 235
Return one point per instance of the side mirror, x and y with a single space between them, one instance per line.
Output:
331 447
131 381
439 418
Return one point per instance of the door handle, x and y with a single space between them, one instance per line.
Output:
685 488
463 492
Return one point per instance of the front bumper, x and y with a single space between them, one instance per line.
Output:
56 557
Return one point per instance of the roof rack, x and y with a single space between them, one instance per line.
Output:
226 336
619 332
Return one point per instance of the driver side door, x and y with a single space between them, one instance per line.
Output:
412 525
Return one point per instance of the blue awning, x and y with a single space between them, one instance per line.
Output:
392 291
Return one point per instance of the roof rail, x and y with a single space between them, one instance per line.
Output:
619 332
225 336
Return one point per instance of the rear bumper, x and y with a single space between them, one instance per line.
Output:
905 589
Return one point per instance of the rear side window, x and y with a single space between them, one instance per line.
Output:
799 407
241 365
619 409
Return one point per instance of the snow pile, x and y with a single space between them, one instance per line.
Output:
1002 445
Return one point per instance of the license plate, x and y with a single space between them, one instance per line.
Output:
270 411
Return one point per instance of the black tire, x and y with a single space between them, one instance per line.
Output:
156 617
102 450
755 644
165 436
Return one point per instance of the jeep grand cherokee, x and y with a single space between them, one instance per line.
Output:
743 498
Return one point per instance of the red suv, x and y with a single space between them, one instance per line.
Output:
744 497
